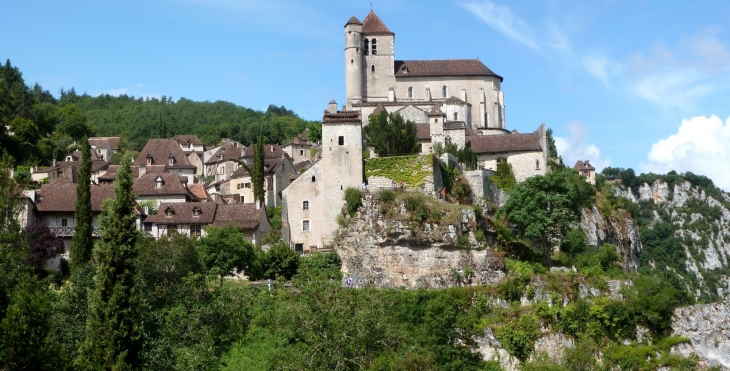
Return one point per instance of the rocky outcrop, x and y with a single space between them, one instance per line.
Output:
708 328
619 230
396 252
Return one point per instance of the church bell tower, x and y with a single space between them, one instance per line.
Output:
353 62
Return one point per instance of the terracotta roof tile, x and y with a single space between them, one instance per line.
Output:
160 150
379 108
239 215
113 142
423 131
146 185
228 151
110 174
62 197
182 213
373 25
198 190
454 125
271 151
505 143
444 67
453 100
353 20
341 116
184 139
436 111
583 165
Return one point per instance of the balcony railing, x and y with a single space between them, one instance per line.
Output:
69 231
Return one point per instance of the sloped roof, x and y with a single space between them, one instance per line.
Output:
505 143
341 116
62 197
373 25
454 125
238 215
301 139
113 142
76 156
146 185
379 109
442 67
228 151
182 213
436 111
423 131
184 139
583 165
160 151
198 190
111 173
453 100
271 151
353 20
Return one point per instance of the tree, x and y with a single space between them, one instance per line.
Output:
391 135
82 245
74 123
223 251
113 331
280 261
25 130
551 143
24 341
43 245
542 208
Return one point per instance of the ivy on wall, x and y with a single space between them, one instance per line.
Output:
412 170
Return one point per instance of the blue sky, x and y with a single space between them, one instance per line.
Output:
642 84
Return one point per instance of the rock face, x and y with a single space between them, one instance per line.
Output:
397 252
619 231
708 328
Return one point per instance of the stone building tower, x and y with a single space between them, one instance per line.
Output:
354 73
378 48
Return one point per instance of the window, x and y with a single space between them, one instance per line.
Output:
305 225
372 68
537 164
374 47
341 140
301 152
456 116
196 211
159 182
246 185
305 205
172 159
169 211
149 159
64 222
148 227
195 230
190 145
443 91
172 228
410 92
366 48
313 179
299 247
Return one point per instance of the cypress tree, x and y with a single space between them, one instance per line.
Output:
82 243
257 176
113 331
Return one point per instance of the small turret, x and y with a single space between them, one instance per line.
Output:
353 61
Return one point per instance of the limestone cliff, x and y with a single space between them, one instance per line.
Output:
395 251
708 328
619 229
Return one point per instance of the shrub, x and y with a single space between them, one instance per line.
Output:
416 204
519 336
353 199
386 196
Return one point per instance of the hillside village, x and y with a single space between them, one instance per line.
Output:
475 248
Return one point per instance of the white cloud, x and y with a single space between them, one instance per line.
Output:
575 148
601 68
701 145
503 20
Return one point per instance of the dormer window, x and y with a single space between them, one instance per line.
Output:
196 211
149 159
374 47
159 182
190 145
169 211
172 159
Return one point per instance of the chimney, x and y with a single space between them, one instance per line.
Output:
258 204
54 162
332 107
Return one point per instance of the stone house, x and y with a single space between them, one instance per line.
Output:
586 170
312 202
300 148
192 218
194 148
224 160
278 175
527 153
163 155
162 187
104 147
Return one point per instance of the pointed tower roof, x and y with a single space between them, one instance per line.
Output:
353 20
436 111
379 108
373 25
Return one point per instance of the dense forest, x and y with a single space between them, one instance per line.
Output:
45 126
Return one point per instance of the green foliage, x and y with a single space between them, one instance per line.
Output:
465 155
223 251
274 215
319 267
574 242
70 311
412 170
391 135
654 298
603 261
149 205
113 332
504 178
163 264
82 244
353 200
386 196
416 204
280 261
517 337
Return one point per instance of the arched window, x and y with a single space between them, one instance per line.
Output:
365 47
374 47
372 68
537 164
313 179
443 91
410 92
456 116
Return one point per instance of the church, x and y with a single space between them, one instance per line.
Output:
456 101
